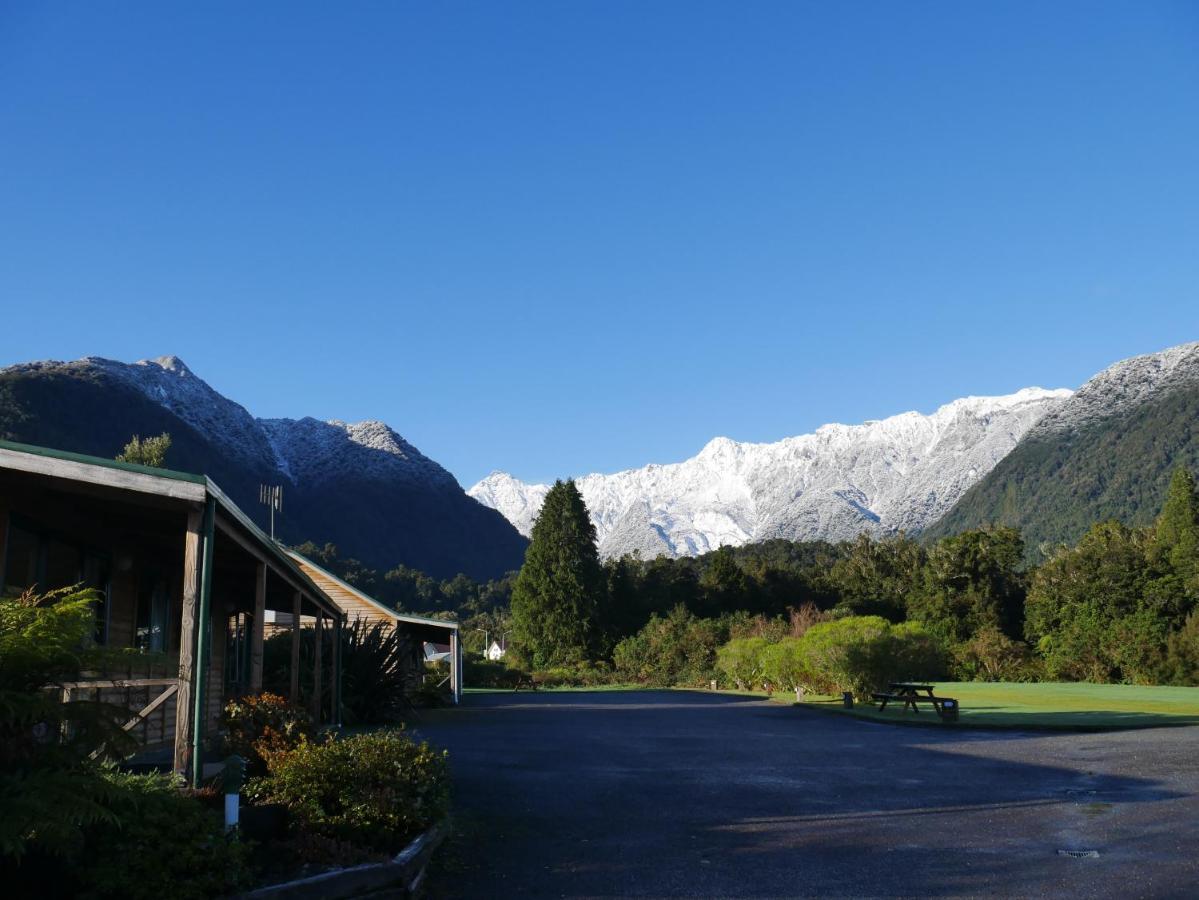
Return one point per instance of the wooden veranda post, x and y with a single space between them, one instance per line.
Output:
187 642
203 634
294 696
317 666
256 629
337 636
455 668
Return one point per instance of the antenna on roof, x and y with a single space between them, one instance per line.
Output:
271 496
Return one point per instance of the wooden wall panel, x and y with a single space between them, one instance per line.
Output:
353 606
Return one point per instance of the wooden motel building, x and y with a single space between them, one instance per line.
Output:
187 586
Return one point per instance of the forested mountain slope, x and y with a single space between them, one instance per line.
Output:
1107 452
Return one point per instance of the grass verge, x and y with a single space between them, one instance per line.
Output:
1049 706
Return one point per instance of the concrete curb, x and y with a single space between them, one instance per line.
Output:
400 876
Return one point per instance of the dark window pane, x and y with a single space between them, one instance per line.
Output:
153 607
64 565
23 560
96 576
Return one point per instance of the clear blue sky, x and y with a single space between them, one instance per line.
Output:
564 237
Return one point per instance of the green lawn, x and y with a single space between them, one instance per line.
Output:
1094 707
1080 706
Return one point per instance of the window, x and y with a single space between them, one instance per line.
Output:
63 564
96 575
36 560
237 654
153 609
23 563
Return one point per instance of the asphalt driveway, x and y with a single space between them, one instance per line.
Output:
678 794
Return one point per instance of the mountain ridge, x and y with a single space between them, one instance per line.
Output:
883 476
359 485
1108 452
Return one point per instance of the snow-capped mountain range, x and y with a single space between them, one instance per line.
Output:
896 474
359 485
301 449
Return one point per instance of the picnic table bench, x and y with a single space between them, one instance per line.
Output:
911 693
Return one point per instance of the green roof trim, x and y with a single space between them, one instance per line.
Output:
272 548
67 456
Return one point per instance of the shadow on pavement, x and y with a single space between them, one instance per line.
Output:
688 794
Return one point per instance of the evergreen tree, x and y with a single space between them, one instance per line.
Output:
723 587
1176 532
624 612
561 585
972 582
667 583
1086 611
876 577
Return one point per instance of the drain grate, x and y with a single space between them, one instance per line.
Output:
1079 854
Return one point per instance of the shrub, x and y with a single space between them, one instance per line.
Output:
375 790
678 649
555 676
741 660
993 656
786 666
743 625
861 654
376 663
431 695
917 654
846 653
49 791
165 844
1182 652
257 726
43 641
585 674
491 673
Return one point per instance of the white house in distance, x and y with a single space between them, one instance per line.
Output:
495 651
435 652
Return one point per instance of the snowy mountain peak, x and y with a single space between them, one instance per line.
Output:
307 449
314 451
172 364
883 476
1122 386
721 449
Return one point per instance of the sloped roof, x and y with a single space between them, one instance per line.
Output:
368 599
151 480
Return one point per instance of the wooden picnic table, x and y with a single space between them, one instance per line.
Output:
912 688
910 693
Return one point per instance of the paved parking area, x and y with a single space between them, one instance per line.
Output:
679 794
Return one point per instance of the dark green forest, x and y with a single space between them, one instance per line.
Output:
1120 605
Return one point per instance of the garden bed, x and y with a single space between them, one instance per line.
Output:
401 875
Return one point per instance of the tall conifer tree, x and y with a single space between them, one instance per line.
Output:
1176 532
1176 536
561 585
